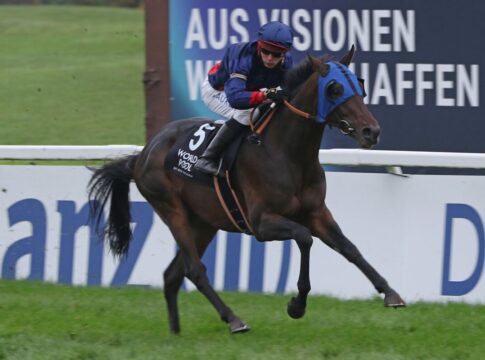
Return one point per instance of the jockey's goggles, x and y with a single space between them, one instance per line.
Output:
275 54
267 48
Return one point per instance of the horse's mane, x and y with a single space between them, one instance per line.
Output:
298 74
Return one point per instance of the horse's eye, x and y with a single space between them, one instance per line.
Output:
334 90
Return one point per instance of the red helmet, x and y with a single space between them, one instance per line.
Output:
277 35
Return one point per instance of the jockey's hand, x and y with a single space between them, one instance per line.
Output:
276 95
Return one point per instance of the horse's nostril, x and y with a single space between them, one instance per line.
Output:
370 133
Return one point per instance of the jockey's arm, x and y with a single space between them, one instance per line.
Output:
237 95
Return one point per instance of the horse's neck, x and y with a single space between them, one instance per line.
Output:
297 136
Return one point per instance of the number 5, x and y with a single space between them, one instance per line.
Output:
200 134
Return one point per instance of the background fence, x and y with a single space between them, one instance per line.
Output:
424 233
347 157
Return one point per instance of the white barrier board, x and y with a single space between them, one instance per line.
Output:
423 233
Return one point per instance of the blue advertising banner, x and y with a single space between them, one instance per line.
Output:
421 60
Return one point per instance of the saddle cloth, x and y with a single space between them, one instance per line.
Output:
184 154
187 149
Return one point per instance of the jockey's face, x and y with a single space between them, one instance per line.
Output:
270 58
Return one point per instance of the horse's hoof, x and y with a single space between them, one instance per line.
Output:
237 326
175 329
295 309
392 299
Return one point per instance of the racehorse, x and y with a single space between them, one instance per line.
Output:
280 184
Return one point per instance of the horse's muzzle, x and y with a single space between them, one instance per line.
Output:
370 136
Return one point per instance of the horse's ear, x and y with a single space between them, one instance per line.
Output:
318 65
347 58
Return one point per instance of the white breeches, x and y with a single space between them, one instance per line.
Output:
217 102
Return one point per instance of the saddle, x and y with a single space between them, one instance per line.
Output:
186 151
184 154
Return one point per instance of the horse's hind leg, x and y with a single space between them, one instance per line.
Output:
324 226
185 233
173 277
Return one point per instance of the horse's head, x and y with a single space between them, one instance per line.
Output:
340 101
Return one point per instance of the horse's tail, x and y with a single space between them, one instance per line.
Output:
113 180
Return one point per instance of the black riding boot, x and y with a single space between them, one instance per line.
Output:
208 162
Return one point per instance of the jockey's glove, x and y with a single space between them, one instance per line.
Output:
276 95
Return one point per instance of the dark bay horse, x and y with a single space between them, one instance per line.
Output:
280 183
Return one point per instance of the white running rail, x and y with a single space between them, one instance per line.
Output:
66 152
347 157
387 158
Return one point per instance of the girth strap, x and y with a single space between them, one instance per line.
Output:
230 203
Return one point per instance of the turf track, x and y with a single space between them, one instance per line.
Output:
45 321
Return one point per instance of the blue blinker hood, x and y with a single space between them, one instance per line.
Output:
341 74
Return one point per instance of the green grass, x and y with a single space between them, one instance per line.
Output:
45 321
71 75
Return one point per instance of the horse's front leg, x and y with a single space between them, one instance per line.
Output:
276 227
324 226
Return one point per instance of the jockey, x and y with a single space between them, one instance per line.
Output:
233 86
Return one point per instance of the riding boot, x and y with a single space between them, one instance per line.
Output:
208 162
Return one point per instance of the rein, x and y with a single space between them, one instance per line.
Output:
299 112
292 108
343 124
268 114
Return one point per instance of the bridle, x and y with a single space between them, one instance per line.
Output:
331 94
332 101
342 124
